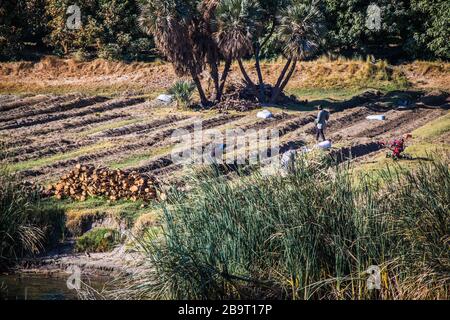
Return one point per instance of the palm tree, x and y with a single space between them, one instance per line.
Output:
236 22
172 24
194 34
301 27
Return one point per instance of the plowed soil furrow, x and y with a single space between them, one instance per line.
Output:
158 164
159 138
259 124
40 151
138 128
102 107
81 123
124 148
354 152
10 143
76 103
7 98
165 170
77 125
21 102
50 101
34 151
420 121
391 127
33 102
164 161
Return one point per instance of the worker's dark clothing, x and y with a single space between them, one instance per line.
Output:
321 123
320 134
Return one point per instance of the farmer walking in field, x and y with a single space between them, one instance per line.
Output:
321 123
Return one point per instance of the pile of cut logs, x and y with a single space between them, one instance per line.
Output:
86 180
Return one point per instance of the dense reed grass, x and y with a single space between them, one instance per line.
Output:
27 223
310 235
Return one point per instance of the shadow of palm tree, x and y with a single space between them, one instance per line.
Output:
376 101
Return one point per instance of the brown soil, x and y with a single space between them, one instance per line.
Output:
37 126
42 130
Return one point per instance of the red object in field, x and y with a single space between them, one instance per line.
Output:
397 146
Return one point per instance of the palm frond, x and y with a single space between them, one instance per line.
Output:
301 29
237 22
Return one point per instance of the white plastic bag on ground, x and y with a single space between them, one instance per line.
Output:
380 117
166 98
324 145
265 114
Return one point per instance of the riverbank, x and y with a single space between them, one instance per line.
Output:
119 261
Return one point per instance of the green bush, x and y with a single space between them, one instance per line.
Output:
110 51
97 240
310 235
28 224
182 90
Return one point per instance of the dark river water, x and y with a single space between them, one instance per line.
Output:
40 287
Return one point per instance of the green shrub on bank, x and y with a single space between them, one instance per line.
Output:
98 240
310 235
28 224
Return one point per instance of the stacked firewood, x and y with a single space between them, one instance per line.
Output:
87 180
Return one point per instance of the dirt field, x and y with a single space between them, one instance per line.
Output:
45 135
56 113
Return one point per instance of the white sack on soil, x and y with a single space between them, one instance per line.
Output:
166 98
324 145
380 117
265 114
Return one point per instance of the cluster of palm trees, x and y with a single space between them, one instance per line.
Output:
199 35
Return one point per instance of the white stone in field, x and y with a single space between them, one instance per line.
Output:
380 117
166 98
265 114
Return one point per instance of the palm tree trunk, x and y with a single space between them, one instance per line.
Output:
281 78
289 75
204 101
260 77
214 72
245 74
285 81
223 79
